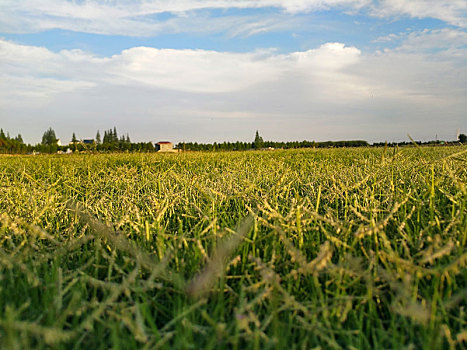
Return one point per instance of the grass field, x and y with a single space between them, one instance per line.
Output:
333 248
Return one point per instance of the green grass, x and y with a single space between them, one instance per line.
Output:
346 248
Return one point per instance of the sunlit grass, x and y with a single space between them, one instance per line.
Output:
348 248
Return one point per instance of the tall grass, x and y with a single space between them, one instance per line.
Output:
348 248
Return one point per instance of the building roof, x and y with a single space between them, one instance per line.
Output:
164 143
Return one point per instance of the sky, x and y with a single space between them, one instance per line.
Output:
218 70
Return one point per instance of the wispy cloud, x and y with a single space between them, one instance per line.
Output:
387 38
450 11
438 39
137 18
143 18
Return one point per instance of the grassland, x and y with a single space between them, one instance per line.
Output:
349 248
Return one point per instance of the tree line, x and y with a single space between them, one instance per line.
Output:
243 146
259 143
111 142
10 144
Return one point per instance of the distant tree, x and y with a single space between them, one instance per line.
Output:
74 140
49 137
11 144
127 139
109 136
463 138
259 142
98 137
149 147
115 135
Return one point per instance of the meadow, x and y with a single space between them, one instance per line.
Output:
333 248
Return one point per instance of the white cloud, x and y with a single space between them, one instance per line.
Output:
451 11
445 39
192 70
143 17
35 75
95 9
198 71
135 18
387 38
330 56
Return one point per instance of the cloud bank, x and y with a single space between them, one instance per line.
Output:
329 92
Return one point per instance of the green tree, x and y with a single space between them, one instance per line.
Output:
49 137
98 137
463 138
74 140
259 142
115 135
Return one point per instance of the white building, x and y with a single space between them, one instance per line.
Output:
164 146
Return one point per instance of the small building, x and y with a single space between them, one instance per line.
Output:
88 142
164 146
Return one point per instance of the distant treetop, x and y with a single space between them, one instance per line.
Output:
49 137
258 142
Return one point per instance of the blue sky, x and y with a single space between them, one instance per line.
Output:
215 70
